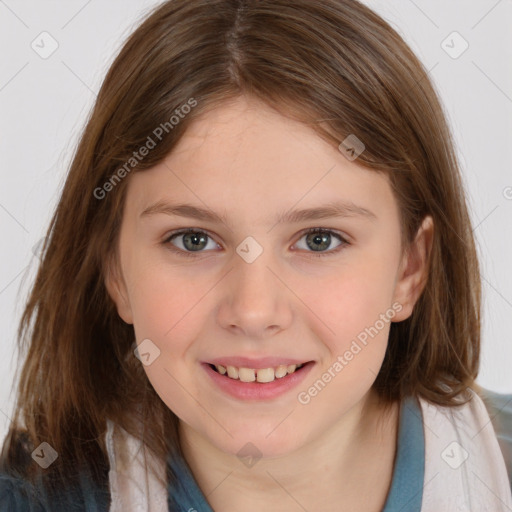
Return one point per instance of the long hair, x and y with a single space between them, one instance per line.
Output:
333 65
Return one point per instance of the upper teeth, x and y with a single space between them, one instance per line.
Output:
259 375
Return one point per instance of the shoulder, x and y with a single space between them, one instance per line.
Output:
41 493
499 407
17 495
16 492
20 495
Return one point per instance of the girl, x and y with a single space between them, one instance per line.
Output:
260 287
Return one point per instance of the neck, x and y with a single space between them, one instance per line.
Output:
350 461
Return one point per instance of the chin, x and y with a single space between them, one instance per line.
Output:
258 443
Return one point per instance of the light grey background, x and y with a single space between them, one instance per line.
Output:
44 103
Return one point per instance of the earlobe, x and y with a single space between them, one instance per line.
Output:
414 270
116 288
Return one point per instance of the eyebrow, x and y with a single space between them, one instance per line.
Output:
330 210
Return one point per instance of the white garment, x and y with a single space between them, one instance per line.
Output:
464 467
133 488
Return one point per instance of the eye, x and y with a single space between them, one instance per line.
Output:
195 240
319 239
191 241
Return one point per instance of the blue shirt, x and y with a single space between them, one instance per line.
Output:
406 492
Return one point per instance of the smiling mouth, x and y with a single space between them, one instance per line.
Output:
262 375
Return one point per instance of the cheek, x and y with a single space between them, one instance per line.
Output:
161 299
166 305
352 298
356 316
353 313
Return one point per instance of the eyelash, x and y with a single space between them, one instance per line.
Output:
332 252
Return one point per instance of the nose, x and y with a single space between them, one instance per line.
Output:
254 299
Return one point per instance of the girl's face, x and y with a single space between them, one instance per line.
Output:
254 290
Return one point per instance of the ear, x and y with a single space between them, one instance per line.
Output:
414 269
117 290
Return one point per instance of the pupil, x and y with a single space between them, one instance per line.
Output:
321 238
196 239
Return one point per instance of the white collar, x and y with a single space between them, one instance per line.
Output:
464 467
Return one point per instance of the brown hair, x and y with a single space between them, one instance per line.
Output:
332 64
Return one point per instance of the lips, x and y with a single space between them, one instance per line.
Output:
255 363
256 390
263 375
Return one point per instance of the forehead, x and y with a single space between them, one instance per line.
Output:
246 155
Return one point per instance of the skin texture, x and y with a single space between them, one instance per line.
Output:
249 163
